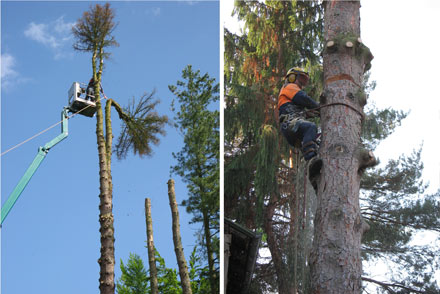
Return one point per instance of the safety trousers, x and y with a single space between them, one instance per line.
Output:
301 133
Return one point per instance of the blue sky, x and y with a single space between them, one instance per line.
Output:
50 240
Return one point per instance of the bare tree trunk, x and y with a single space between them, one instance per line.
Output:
336 265
107 258
213 281
183 267
150 246
277 248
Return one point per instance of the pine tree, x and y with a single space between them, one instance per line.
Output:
198 162
134 279
261 189
93 34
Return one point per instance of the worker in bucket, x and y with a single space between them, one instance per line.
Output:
90 91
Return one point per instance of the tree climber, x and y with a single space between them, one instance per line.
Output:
292 102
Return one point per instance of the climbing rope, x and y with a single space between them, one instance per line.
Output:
51 127
305 194
336 103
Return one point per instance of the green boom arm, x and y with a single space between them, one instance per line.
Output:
42 151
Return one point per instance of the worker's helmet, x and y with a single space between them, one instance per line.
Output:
292 74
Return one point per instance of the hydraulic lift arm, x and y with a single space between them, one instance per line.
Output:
42 151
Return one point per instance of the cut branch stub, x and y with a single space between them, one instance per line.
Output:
366 159
348 41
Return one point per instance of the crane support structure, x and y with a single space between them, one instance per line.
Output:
42 151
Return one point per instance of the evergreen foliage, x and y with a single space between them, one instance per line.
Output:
260 185
198 161
94 30
135 280
198 274
141 126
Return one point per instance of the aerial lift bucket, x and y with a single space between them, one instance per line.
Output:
78 103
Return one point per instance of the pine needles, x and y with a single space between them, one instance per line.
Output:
140 128
267 167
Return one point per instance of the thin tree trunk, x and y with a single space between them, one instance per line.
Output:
208 240
207 232
181 262
336 265
275 243
150 246
107 258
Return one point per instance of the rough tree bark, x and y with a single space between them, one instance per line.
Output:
336 265
150 246
107 259
181 261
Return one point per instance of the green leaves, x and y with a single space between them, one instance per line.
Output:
134 278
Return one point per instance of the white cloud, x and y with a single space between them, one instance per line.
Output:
40 33
7 66
9 75
55 35
62 27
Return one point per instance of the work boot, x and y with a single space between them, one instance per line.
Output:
315 166
309 150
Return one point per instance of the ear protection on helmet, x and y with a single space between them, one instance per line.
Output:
293 73
291 78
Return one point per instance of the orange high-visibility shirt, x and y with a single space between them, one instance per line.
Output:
287 93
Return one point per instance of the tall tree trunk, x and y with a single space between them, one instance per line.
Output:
207 232
336 265
213 281
285 283
150 246
107 258
181 261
